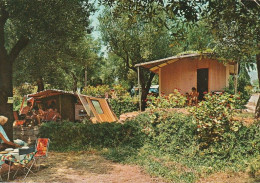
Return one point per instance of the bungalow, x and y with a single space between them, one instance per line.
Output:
191 70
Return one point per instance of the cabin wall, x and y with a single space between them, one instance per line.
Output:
65 105
182 75
68 107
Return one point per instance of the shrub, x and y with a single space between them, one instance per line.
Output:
244 91
214 117
73 136
173 100
98 91
171 132
124 104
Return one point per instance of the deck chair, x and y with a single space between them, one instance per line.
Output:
42 147
18 120
26 163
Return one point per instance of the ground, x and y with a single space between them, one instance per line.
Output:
91 167
87 167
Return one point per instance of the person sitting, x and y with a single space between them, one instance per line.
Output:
36 115
4 140
52 114
187 95
25 110
27 114
42 113
193 97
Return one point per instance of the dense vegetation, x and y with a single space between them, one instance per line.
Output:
175 146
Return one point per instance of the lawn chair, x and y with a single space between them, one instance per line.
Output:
18 120
25 162
42 147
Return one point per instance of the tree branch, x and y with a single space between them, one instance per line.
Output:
18 47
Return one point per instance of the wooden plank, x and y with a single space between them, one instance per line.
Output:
84 103
107 115
93 109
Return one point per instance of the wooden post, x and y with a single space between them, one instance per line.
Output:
86 76
236 77
60 105
139 88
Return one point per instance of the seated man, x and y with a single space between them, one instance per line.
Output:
4 140
27 114
25 110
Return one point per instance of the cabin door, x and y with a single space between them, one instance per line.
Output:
202 82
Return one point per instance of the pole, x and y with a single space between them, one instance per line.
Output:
86 76
236 77
139 88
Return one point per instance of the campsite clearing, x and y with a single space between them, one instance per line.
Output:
87 167
91 167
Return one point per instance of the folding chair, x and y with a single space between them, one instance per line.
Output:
25 162
42 147
18 121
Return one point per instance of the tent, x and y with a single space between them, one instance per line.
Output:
73 106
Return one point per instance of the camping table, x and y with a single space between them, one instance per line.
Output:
15 158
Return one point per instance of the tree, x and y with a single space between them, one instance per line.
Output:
62 67
236 27
25 21
135 41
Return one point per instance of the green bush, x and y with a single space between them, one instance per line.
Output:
244 91
214 117
170 132
98 91
68 135
124 104
173 100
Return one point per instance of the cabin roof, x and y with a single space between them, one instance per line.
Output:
48 93
156 64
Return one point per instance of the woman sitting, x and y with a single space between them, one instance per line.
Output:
4 140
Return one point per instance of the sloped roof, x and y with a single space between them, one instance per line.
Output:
48 93
156 64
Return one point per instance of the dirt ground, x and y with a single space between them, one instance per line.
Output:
86 167
92 168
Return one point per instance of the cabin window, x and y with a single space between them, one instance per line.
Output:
97 106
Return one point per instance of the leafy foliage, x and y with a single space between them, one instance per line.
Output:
74 136
214 117
98 91
173 100
164 143
124 104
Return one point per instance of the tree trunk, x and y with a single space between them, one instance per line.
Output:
145 84
257 110
75 82
40 84
6 90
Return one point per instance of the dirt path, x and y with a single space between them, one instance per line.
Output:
87 167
